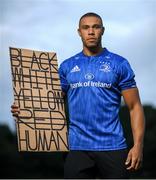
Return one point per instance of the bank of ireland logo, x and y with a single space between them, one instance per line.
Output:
105 67
89 76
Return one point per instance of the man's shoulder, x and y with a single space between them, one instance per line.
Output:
119 63
116 58
71 59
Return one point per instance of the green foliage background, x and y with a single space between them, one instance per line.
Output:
16 164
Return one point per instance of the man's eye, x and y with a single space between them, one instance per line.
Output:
97 26
85 27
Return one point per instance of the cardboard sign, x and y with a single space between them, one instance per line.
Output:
41 125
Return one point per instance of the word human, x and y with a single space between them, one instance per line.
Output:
44 140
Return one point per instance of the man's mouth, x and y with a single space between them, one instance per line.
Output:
91 39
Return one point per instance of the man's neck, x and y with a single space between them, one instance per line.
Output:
92 51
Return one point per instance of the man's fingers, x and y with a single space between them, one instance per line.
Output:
14 106
15 114
138 164
132 165
128 160
15 110
134 159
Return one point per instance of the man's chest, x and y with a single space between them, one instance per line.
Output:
97 72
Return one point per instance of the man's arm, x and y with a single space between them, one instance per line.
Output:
132 100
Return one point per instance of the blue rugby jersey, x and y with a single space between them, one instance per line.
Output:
93 85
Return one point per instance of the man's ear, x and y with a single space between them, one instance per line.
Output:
79 32
103 30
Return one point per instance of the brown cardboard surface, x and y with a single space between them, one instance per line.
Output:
41 125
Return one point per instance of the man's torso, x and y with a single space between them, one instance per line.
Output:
93 85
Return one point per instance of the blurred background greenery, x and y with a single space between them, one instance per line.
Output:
16 164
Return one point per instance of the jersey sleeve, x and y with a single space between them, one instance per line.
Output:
64 83
126 80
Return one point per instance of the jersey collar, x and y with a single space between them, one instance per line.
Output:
105 52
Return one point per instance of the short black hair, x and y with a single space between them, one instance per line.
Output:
90 14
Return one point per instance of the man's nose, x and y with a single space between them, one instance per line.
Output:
90 31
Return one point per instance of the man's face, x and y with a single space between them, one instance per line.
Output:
91 31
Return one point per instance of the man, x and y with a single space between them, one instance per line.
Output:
94 81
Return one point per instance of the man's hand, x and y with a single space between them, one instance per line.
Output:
134 158
15 110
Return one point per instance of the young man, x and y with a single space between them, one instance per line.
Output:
94 81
